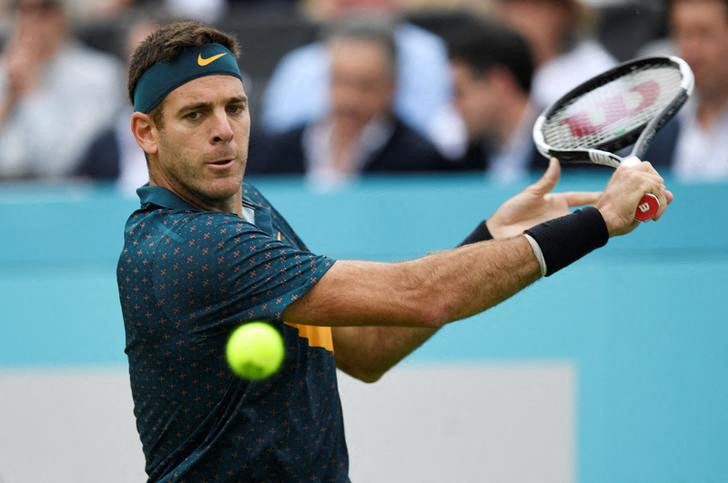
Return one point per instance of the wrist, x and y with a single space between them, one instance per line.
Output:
537 253
564 240
480 233
608 221
493 229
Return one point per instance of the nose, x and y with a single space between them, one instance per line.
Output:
222 132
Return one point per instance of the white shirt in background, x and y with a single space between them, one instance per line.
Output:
701 154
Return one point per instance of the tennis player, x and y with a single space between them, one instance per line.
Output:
206 252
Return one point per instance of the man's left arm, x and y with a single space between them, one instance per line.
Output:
366 353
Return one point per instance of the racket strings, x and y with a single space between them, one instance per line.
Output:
607 113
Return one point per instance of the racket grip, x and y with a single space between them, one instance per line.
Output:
649 204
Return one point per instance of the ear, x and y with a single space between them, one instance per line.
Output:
145 132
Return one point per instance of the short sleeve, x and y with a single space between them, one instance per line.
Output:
218 272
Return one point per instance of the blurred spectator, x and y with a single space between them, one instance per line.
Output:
54 93
209 11
114 154
559 34
492 69
700 32
297 90
360 133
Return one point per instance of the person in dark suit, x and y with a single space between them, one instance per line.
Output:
696 148
113 155
360 133
493 69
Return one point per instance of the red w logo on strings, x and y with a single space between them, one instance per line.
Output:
613 109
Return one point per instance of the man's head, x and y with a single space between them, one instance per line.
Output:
43 24
492 70
363 69
700 31
168 43
191 115
328 10
549 26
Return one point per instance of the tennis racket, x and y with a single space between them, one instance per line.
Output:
624 105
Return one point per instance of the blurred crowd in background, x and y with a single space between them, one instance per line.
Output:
339 88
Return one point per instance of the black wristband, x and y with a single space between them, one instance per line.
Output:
481 233
565 240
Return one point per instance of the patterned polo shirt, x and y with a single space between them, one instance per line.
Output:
186 279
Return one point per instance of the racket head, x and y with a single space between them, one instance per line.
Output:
612 110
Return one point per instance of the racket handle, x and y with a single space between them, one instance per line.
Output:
649 204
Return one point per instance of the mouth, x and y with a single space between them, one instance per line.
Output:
221 164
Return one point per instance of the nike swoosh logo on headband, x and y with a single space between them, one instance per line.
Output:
202 62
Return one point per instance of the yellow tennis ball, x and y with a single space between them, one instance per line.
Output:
255 351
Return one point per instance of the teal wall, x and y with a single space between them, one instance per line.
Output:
645 319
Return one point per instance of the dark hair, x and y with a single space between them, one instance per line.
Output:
484 44
169 41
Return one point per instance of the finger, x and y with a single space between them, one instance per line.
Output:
661 209
549 178
579 198
665 200
658 189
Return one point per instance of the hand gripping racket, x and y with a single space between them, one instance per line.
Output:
626 104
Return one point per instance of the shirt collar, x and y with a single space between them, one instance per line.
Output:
156 195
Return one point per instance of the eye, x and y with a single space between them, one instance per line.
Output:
237 108
193 115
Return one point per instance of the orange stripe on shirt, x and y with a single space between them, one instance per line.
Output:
317 336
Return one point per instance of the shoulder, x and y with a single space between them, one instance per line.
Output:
252 194
406 150
589 55
409 33
96 76
408 138
661 151
182 226
303 57
277 153
101 159
92 61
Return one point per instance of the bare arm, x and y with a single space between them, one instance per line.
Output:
425 294
368 352
382 312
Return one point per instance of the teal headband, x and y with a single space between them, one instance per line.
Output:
164 77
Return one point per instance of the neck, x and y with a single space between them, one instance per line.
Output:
233 204
710 107
53 50
509 119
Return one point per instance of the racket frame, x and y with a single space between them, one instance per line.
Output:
641 135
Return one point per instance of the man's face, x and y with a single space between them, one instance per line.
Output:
543 23
700 31
475 99
362 84
202 145
41 23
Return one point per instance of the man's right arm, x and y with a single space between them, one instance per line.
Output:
455 284
427 292
381 312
